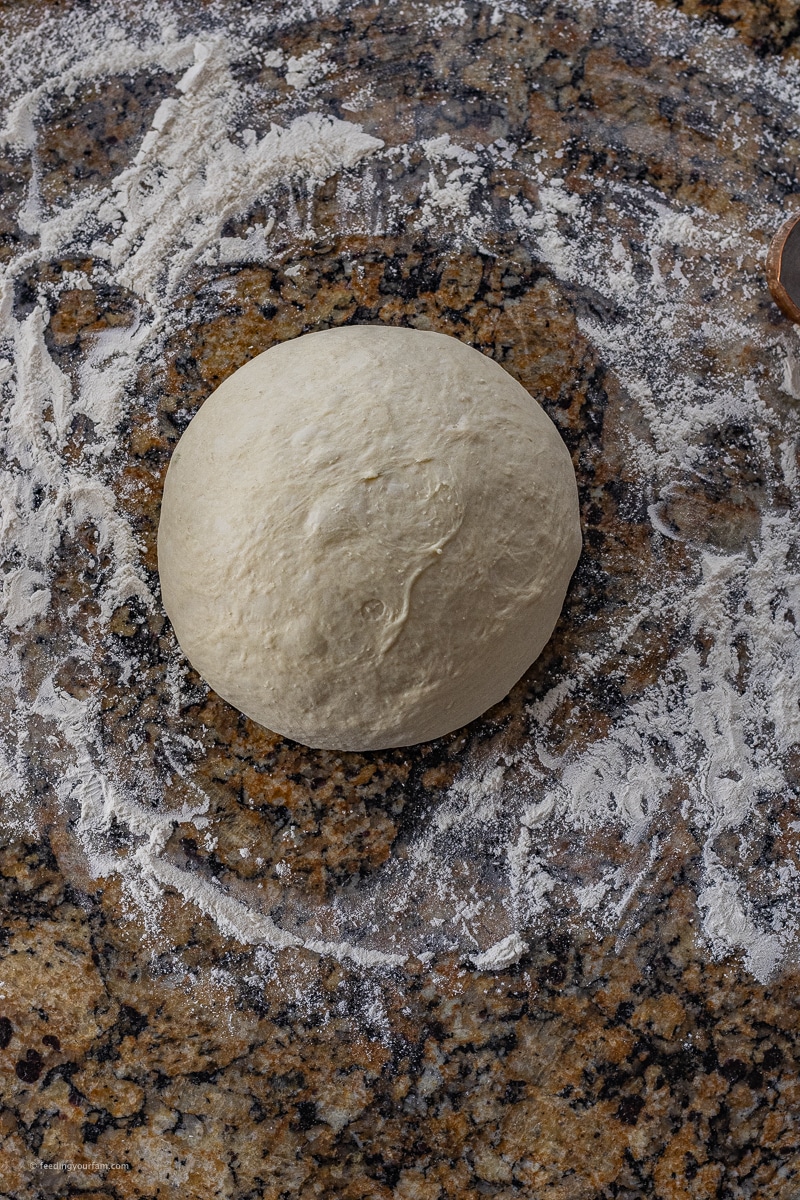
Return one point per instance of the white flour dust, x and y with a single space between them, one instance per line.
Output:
708 744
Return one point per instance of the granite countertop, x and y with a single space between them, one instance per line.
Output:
629 1055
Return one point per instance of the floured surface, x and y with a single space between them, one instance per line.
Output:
270 193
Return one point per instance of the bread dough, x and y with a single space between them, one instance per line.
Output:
366 536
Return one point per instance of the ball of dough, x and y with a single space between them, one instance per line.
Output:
366 536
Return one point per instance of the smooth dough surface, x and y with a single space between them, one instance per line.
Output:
366 536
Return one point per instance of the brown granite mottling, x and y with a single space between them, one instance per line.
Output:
595 1069
580 1073
770 28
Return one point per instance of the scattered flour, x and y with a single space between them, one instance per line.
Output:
307 68
503 954
708 742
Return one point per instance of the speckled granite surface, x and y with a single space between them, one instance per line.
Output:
624 1066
